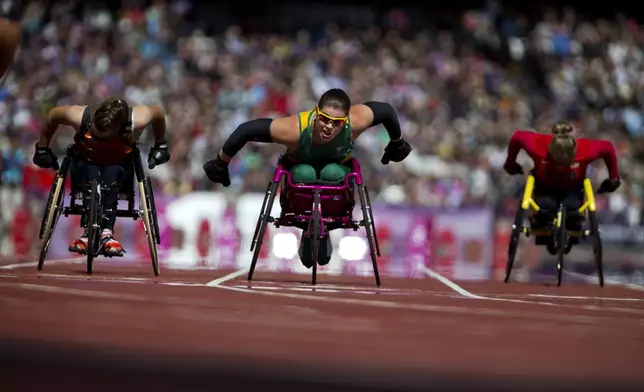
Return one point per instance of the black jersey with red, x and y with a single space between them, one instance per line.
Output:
110 151
556 176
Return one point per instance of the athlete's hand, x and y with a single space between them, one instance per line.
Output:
396 151
44 157
217 171
513 168
609 185
159 154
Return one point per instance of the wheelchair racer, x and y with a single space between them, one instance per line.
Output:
560 162
106 134
318 142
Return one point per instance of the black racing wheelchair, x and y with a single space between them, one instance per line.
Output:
557 229
92 213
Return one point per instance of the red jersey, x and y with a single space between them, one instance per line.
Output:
112 151
556 176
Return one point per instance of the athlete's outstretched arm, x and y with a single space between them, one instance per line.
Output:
60 115
605 150
520 140
283 130
265 130
153 115
372 113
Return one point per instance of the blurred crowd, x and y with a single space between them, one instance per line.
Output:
459 94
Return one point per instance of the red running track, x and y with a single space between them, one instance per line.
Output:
122 328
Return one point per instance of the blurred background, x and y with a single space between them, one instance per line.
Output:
462 75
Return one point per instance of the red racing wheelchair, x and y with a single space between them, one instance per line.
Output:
316 209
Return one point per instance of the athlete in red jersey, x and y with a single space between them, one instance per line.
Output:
560 164
106 134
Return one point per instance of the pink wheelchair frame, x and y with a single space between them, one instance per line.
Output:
316 209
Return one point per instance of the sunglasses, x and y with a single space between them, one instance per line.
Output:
325 118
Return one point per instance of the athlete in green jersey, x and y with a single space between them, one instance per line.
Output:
318 144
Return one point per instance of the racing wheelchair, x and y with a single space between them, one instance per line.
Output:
556 228
316 209
93 214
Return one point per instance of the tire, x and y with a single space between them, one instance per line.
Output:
54 208
147 226
562 241
269 191
597 246
152 209
94 219
315 235
262 222
370 230
515 236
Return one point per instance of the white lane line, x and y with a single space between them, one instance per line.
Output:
435 275
225 278
607 281
465 293
105 279
422 307
584 297
70 260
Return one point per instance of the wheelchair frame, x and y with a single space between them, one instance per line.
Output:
557 229
313 222
94 214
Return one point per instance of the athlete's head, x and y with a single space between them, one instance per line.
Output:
563 146
331 115
110 118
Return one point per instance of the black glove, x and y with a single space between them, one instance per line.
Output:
513 168
609 185
217 171
159 154
44 157
396 151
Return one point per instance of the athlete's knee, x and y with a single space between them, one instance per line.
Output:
572 203
334 172
303 173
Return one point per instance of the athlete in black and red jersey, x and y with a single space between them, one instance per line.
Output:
106 134
560 164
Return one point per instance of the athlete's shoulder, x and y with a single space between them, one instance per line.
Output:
592 146
303 118
527 134
67 114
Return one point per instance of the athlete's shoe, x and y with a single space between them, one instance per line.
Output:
79 245
111 247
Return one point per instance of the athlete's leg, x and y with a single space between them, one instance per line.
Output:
112 177
83 173
303 173
334 173
572 203
548 202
